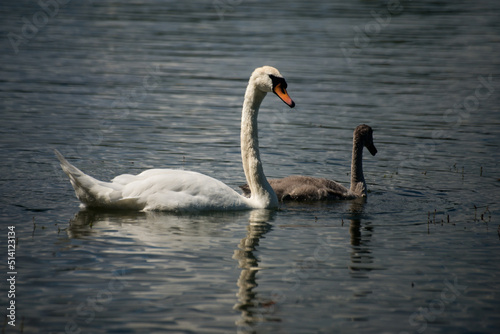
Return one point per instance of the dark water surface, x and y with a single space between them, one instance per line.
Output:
119 87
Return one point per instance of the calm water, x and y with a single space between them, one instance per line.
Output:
125 87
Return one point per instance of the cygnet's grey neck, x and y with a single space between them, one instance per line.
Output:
358 185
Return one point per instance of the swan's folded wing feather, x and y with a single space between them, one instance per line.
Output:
124 179
176 190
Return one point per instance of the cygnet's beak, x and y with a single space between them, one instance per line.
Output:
283 95
372 149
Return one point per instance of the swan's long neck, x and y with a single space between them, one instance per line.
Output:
358 184
262 193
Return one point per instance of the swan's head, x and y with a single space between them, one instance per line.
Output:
268 79
365 134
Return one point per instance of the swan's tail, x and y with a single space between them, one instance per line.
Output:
91 192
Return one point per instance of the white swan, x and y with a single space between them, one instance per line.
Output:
179 190
306 188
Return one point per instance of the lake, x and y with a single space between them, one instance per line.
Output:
119 87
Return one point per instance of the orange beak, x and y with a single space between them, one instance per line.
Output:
283 95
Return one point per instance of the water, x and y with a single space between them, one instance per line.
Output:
122 87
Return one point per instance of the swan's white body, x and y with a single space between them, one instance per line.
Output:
179 190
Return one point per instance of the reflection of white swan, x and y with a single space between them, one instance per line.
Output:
299 187
254 307
177 190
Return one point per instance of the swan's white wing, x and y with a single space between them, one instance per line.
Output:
154 189
178 190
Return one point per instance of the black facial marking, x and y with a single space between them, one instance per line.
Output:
278 80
